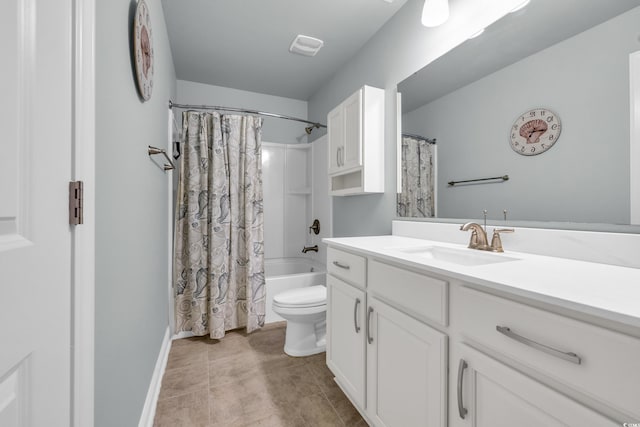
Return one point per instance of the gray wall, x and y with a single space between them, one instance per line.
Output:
584 177
398 49
273 130
131 215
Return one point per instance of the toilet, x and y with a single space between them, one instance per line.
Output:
305 310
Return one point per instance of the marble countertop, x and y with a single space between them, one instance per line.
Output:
601 290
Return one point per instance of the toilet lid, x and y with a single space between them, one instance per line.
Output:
308 296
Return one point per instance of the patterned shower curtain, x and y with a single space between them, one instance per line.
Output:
417 197
219 278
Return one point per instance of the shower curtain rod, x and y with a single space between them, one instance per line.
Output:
244 110
411 135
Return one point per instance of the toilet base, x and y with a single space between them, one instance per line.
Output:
305 339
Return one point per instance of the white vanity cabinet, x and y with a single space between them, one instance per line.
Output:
355 133
415 345
406 369
391 364
346 307
346 347
584 359
488 393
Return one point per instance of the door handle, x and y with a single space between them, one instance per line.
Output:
338 264
355 315
369 337
568 356
461 409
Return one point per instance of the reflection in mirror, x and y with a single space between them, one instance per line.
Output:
570 57
417 196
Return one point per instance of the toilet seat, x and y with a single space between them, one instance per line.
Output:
307 297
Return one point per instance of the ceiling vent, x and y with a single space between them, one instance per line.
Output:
305 45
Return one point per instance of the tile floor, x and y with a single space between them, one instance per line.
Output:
248 380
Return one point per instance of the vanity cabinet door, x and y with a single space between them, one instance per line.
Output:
487 393
406 370
346 308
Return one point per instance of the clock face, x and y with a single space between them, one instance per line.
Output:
535 131
143 50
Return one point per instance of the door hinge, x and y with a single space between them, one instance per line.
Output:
75 202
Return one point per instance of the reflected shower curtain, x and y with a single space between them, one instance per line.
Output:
417 197
219 278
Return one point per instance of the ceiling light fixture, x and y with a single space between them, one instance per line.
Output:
305 45
435 12
522 5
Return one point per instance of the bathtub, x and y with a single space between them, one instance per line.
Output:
282 274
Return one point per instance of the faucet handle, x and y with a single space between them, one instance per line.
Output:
496 241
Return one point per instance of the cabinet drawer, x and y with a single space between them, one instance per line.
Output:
597 362
423 296
347 266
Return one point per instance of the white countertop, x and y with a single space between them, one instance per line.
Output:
600 290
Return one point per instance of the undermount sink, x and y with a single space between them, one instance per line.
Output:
467 257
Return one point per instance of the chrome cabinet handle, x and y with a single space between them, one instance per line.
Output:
568 356
355 315
345 266
338 157
369 337
461 367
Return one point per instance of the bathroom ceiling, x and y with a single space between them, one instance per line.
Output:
244 44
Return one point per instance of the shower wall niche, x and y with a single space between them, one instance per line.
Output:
287 186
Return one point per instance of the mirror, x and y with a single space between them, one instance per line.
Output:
570 58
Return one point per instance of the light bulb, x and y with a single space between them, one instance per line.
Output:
435 12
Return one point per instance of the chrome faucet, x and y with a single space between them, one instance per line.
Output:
313 248
478 236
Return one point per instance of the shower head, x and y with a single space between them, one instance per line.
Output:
308 129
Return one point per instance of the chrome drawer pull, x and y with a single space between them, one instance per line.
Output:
345 266
369 337
570 357
461 409
355 315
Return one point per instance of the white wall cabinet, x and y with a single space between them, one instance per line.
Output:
355 132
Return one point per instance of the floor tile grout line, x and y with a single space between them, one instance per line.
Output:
332 406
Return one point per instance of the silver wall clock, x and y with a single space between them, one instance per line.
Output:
143 50
535 131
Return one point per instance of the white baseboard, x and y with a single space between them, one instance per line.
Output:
183 334
149 410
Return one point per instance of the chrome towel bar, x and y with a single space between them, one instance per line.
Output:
155 150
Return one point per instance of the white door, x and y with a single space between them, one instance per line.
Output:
35 238
335 135
352 156
487 393
406 370
345 337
